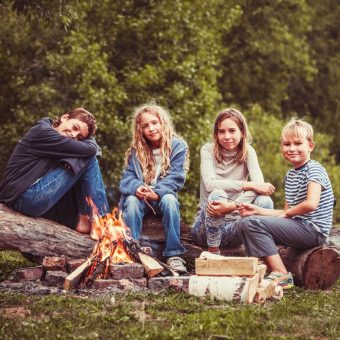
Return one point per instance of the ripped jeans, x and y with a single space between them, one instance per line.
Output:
221 231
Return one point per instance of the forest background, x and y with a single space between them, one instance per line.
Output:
272 59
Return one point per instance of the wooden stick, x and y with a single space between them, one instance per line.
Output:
173 273
261 269
73 279
151 266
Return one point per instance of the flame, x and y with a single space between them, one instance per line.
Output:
109 231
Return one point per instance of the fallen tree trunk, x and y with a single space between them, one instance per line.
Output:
39 237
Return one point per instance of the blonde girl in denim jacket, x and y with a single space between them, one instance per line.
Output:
155 171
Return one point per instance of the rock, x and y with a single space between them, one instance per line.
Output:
127 271
178 283
27 274
54 263
55 278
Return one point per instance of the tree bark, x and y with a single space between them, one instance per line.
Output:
39 237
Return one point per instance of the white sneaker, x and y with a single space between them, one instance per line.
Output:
177 264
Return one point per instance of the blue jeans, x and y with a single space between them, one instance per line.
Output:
48 190
134 210
221 231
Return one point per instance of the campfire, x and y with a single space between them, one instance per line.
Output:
115 247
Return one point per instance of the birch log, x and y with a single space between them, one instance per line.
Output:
242 289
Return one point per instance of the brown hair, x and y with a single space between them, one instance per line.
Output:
246 139
81 114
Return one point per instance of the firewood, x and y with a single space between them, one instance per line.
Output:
73 279
242 289
261 269
168 268
278 293
265 291
151 266
217 265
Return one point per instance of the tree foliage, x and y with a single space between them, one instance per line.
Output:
267 57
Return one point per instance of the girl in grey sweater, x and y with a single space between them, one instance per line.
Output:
230 175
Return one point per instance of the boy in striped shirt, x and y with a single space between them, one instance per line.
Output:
306 219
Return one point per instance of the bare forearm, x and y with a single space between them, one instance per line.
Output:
302 208
248 186
269 212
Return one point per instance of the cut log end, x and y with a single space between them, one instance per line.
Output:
322 268
316 268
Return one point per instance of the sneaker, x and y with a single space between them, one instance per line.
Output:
284 280
177 264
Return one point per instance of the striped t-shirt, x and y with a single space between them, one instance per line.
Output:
296 183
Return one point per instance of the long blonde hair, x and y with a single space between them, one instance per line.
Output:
142 146
246 139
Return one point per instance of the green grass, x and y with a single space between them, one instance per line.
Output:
299 315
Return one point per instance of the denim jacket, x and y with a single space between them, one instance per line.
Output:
132 177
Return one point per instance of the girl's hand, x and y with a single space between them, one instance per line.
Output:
152 196
219 208
247 209
264 188
142 191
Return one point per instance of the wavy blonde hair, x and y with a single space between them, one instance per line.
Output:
246 139
141 145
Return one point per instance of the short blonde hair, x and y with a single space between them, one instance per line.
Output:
297 127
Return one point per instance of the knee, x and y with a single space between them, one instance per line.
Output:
216 194
246 224
132 204
169 201
93 162
264 202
